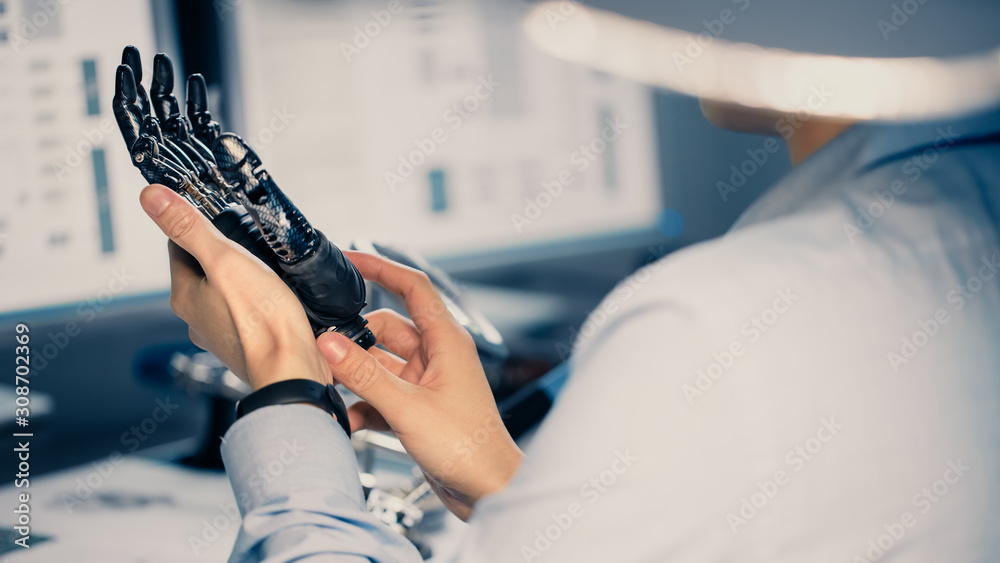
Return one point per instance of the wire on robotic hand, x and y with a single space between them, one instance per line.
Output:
228 183
305 254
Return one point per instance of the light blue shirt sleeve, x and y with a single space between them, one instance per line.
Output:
296 481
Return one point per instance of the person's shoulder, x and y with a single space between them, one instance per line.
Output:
733 272
709 286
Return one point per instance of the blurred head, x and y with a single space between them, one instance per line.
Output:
886 60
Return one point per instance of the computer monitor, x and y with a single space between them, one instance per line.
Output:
437 125
434 125
71 229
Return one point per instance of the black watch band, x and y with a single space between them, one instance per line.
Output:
293 391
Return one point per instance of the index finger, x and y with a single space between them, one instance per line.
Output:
161 90
423 302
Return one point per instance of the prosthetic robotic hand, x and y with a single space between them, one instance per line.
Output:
224 178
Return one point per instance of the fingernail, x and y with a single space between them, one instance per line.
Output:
154 201
336 347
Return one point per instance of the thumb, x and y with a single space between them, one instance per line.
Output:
360 372
184 224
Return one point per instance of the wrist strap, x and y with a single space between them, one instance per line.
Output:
293 391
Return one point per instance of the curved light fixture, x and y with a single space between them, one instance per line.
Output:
786 81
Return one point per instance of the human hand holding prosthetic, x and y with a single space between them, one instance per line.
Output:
430 390
251 304
221 176
236 307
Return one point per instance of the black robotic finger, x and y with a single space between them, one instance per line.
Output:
205 128
168 109
175 126
151 128
141 134
131 58
161 91
127 112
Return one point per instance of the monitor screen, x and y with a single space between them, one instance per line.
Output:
437 125
71 229
431 124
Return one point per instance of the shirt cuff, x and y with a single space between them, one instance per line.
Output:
274 452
